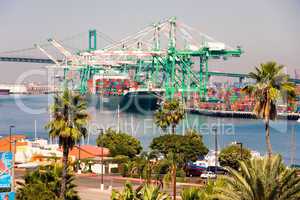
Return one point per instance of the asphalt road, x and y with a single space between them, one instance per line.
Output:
89 185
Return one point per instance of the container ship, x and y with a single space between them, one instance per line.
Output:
119 91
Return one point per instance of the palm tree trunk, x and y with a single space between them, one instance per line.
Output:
173 128
268 142
64 172
174 180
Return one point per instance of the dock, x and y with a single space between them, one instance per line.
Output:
238 114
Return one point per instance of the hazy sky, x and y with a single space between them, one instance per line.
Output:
266 29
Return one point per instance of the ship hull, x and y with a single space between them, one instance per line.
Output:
130 102
4 91
141 101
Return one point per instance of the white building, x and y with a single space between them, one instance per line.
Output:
31 151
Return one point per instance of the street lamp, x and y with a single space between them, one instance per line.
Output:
14 154
102 158
215 130
10 136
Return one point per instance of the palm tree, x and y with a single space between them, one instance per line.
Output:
191 193
170 114
128 193
35 191
205 192
144 165
151 192
69 120
173 158
260 179
44 183
271 84
143 192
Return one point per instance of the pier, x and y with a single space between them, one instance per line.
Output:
238 114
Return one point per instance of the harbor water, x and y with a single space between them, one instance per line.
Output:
26 111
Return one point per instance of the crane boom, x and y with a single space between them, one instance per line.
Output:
64 51
47 54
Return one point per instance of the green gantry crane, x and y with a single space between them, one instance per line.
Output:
170 55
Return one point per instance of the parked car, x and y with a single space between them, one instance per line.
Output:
217 170
194 170
208 174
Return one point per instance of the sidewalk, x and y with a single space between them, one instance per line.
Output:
86 193
133 180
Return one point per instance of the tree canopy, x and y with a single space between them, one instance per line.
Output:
188 147
119 143
232 155
69 118
271 84
44 184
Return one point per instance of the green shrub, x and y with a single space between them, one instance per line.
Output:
231 156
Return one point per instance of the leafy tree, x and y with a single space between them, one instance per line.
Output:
232 155
119 143
44 184
271 84
68 123
189 146
260 179
169 114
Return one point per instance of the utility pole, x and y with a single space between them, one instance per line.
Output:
13 167
215 130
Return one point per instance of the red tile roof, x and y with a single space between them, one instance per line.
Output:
5 144
88 151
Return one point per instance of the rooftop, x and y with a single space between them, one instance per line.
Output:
5 142
88 151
